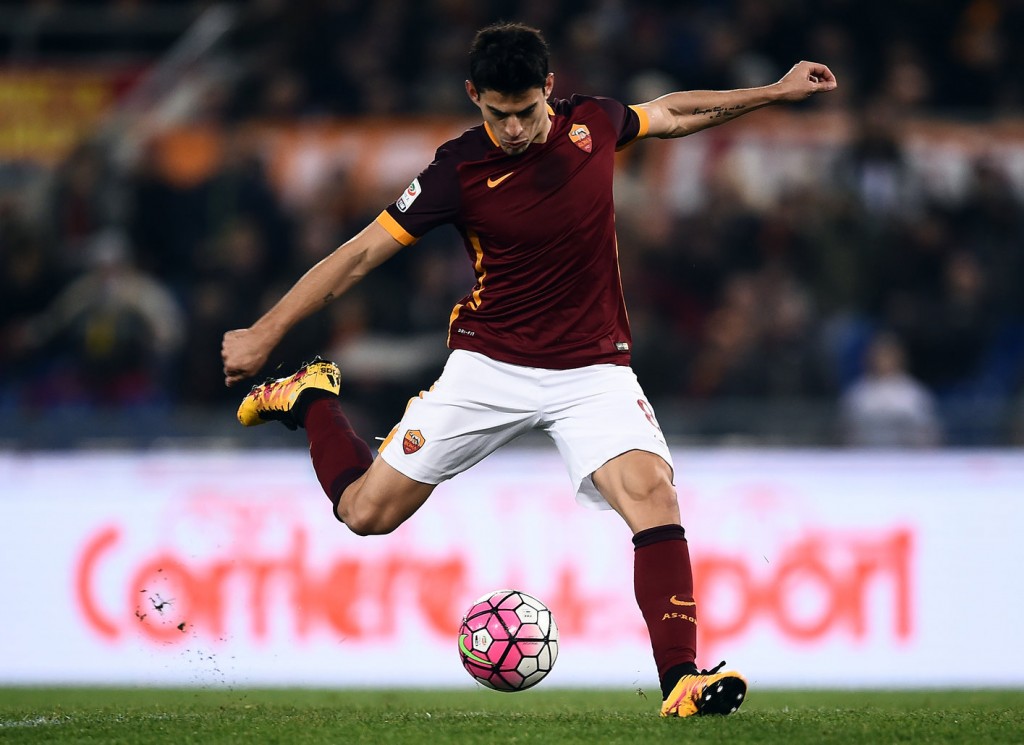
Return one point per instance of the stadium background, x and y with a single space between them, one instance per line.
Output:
824 301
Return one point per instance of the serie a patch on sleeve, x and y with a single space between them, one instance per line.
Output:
405 201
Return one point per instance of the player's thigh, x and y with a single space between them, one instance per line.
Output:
600 414
381 500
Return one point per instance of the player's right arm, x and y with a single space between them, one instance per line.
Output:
245 351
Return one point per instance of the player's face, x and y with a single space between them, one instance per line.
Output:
516 119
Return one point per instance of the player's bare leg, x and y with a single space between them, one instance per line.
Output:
369 496
381 500
638 485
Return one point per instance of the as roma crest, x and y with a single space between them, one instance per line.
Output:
412 441
580 136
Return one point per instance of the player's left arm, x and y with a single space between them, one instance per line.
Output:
686 112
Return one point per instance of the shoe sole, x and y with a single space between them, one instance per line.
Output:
722 697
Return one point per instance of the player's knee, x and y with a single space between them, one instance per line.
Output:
658 494
647 504
367 524
362 521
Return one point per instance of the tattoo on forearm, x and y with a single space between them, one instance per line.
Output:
716 112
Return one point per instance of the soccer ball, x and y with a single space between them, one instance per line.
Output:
508 640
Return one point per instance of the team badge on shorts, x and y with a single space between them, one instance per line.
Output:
412 441
580 136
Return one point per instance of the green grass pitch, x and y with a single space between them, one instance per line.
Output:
150 716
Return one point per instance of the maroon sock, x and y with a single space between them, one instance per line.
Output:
663 583
339 455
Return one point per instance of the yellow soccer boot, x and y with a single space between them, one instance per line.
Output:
275 400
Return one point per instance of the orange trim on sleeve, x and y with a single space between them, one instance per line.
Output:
396 231
645 126
645 120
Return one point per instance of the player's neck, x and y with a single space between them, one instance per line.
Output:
542 137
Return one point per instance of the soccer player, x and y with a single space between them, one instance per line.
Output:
540 342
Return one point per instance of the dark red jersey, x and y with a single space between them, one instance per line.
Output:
540 230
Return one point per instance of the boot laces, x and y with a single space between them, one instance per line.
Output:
713 670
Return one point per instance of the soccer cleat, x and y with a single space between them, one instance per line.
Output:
707 692
274 400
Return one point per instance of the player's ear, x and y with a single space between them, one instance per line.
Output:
549 85
472 92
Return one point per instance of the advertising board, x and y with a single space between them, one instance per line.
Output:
812 568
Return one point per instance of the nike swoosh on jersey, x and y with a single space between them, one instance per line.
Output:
680 602
492 182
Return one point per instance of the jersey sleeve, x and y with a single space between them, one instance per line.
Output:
630 122
432 199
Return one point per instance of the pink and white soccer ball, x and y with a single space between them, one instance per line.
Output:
508 640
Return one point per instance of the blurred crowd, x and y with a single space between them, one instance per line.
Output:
354 57
898 304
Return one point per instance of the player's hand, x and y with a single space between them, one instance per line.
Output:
244 352
805 79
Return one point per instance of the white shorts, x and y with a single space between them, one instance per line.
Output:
593 414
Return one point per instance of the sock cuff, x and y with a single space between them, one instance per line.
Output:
342 481
673 676
659 534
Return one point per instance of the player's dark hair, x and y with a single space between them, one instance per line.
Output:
508 58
